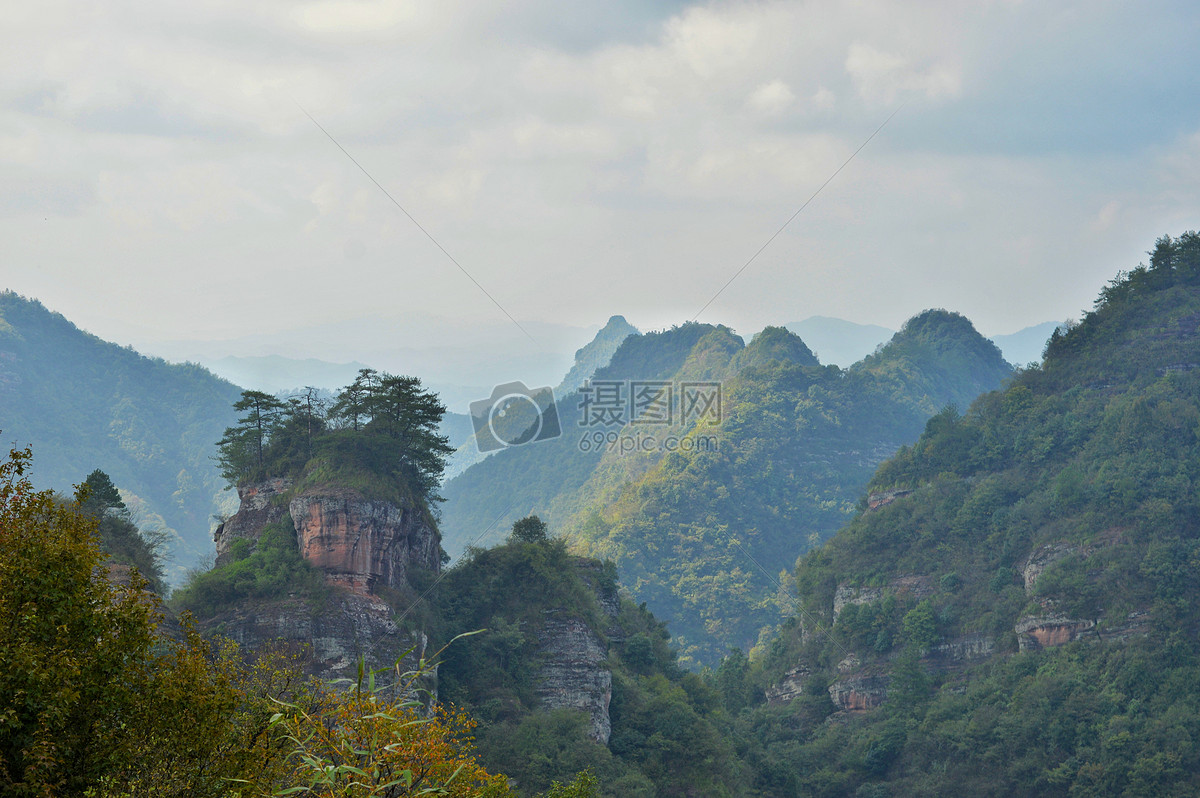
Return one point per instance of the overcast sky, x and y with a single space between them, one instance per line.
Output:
159 180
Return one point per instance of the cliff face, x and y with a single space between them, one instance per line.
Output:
260 504
572 674
331 637
362 544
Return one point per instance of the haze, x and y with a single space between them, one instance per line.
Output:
161 185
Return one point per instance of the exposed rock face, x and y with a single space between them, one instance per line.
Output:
877 500
968 648
1046 631
789 688
261 504
362 544
1042 558
572 674
858 692
349 626
916 586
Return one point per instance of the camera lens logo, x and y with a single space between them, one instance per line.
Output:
514 415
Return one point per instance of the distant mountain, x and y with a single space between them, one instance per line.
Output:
84 404
596 354
276 374
1014 609
699 533
1026 345
840 342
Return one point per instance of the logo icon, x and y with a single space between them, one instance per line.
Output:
514 415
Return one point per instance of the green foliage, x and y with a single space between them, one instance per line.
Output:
383 426
1086 468
273 569
530 529
91 702
665 737
795 447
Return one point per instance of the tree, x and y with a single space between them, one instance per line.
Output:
351 405
240 453
410 416
101 494
530 529
90 697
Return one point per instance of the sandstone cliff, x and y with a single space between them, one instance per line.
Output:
361 546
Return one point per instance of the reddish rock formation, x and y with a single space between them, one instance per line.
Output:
362 544
858 692
1046 631
877 500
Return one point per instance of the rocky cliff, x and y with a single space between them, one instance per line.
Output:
361 546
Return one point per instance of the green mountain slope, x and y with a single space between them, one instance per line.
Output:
689 530
545 476
1014 611
84 404
704 536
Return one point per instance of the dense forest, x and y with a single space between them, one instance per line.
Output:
1019 601
150 425
703 535
1009 610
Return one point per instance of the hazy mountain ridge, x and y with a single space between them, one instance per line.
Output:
84 403
794 432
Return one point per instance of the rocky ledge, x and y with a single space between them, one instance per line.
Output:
363 544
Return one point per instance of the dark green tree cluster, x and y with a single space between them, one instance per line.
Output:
383 424
120 538
666 724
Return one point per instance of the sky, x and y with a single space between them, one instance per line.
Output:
162 184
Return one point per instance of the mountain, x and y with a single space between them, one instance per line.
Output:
838 341
700 532
85 404
596 354
1013 609
1028 344
276 374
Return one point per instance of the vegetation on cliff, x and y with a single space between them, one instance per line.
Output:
1020 598
666 724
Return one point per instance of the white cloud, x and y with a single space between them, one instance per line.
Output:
771 98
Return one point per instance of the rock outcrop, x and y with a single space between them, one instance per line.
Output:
859 691
1046 631
572 673
362 544
788 688
261 504
914 586
333 638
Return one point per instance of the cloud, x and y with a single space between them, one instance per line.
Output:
623 157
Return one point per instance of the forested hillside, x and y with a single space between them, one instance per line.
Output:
85 404
1013 612
702 535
